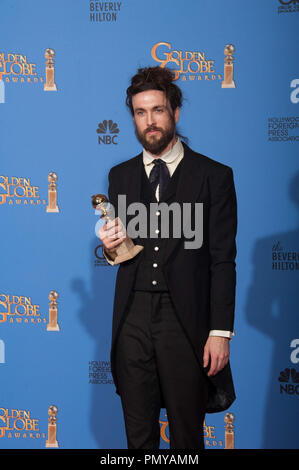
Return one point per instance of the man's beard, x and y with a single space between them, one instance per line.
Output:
155 144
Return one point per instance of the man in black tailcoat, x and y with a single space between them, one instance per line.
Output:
174 302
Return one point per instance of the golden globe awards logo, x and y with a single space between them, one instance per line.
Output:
209 433
164 429
210 439
19 309
18 68
17 423
19 190
194 65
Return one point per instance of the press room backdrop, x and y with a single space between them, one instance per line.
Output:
78 131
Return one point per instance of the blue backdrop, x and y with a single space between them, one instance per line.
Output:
254 128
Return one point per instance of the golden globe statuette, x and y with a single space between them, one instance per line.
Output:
53 325
125 250
50 85
229 418
228 81
52 193
52 428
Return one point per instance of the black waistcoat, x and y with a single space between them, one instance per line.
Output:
149 276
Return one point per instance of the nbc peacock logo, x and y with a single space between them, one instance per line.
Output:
108 132
289 381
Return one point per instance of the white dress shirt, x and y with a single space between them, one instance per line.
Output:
172 158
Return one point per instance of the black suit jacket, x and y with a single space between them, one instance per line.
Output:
201 281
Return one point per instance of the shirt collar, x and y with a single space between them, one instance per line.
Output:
168 157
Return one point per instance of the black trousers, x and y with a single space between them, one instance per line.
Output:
154 358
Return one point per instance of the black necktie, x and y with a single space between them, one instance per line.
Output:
159 175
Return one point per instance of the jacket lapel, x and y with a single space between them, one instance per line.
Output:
188 190
134 179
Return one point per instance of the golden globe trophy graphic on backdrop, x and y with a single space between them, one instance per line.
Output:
228 81
125 250
53 325
52 427
50 84
229 418
52 193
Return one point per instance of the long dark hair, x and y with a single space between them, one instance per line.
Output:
155 78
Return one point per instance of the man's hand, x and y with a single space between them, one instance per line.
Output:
112 234
216 348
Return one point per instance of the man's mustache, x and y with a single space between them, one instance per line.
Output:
152 128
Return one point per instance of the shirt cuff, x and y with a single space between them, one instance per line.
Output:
224 334
109 257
